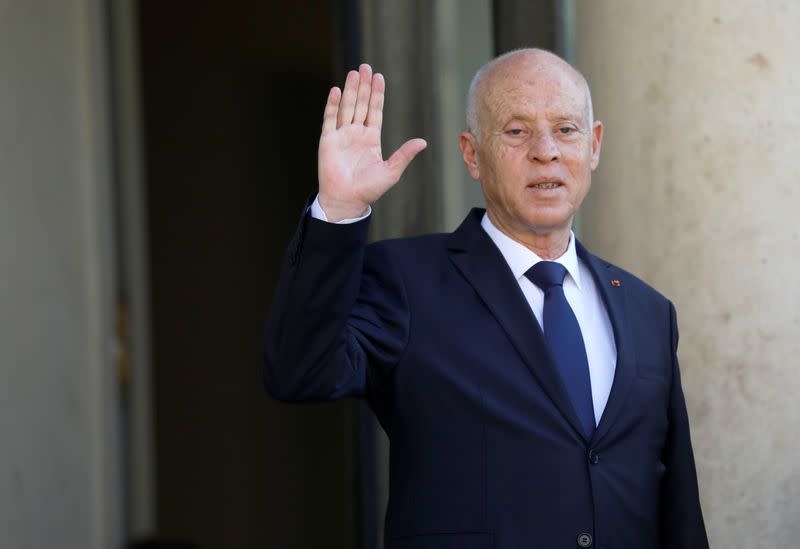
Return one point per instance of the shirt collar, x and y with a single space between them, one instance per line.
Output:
520 258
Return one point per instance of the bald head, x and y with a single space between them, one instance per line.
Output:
531 59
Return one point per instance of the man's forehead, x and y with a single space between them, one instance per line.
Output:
535 62
534 70
531 80
527 95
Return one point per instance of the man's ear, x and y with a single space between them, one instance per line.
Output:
597 141
467 143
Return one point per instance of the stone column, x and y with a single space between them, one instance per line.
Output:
428 52
398 39
60 467
697 193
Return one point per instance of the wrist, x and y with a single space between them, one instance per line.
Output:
337 210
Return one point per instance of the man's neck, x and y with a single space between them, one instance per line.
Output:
548 245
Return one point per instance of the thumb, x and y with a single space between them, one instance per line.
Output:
402 157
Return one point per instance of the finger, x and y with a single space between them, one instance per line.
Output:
364 87
375 113
348 103
331 109
403 156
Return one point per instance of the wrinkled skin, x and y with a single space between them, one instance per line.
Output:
534 132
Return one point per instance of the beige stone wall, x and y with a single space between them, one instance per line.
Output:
698 192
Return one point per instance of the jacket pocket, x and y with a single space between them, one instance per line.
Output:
461 540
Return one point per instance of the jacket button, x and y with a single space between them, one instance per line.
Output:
593 458
584 540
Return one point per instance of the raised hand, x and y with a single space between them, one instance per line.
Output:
352 172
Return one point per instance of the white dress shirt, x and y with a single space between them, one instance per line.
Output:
318 213
582 295
580 291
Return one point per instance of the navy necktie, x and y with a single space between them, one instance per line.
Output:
564 340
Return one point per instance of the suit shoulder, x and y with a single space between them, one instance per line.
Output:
415 246
414 258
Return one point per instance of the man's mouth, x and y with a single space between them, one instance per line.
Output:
545 185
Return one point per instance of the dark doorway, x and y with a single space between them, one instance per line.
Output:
232 98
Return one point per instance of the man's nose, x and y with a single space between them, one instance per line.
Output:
543 148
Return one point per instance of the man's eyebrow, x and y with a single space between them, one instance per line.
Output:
511 116
571 117
522 115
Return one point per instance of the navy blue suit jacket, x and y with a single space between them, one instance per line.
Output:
486 451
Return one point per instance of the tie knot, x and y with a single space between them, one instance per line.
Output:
547 274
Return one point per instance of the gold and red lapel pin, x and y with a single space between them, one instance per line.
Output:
616 283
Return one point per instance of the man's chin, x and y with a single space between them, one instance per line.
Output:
548 224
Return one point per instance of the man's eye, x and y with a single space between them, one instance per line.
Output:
566 130
515 131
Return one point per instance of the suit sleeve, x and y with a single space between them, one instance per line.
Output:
682 525
339 318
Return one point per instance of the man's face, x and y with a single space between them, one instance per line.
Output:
536 150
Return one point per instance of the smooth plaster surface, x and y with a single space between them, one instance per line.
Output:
697 193
57 485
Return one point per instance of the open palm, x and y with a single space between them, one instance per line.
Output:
352 171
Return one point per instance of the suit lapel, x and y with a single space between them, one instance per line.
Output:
615 298
475 255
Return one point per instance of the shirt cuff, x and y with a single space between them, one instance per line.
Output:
318 213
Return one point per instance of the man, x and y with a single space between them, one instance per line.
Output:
530 390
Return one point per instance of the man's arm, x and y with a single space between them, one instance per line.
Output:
339 319
682 525
339 310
